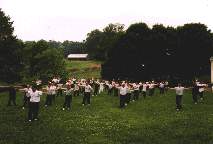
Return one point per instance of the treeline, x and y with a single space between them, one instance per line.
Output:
142 53
139 53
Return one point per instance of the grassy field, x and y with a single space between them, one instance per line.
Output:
150 120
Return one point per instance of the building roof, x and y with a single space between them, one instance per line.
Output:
77 55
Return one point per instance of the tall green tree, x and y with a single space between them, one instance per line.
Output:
51 62
11 56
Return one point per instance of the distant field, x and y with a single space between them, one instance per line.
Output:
76 69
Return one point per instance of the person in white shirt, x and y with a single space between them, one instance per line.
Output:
40 84
122 95
60 89
201 89
49 96
53 91
145 85
197 81
110 89
72 83
74 80
116 89
87 94
27 96
101 86
113 83
34 102
54 80
179 91
166 86
128 94
67 82
83 84
151 87
76 89
107 83
68 97
161 86
91 82
83 79
37 82
136 89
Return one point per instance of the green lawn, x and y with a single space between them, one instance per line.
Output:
150 120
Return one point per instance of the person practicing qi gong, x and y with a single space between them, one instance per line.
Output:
96 88
68 97
76 89
34 102
27 96
122 95
12 94
87 94
49 95
179 91
59 88
101 87
116 89
53 87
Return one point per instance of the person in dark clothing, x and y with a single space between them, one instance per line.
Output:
195 90
12 94
96 88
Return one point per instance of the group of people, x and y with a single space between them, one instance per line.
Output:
33 95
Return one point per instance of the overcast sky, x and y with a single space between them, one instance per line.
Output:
72 20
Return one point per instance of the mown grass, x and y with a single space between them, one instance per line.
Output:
153 120
150 120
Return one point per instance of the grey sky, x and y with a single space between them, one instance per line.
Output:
72 20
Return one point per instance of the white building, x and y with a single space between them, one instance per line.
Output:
78 57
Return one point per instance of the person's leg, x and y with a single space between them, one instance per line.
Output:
30 112
53 96
180 97
74 93
129 98
69 101
66 100
163 90
61 92
46 100
160 90
144 94
25 101
57 93
36 110
136 94
130 94
166 88
78 93
88 98
9 102
133 95
50 100
150 92
201 94
14 100
195 98
177 102
84 99
121 96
